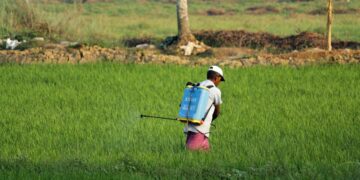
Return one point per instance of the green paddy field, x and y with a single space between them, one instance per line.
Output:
82 121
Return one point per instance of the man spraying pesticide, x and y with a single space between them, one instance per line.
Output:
200 106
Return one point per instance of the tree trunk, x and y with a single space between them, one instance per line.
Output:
184 33
329 23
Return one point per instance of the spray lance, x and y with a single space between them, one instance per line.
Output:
158 117
190 121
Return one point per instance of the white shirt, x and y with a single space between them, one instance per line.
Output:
214 99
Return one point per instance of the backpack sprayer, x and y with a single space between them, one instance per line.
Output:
193 105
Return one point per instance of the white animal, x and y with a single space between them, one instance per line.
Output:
12 44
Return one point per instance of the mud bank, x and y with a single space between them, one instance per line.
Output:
243 57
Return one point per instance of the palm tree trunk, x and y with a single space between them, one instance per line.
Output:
184 32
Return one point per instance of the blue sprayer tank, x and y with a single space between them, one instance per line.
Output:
193 105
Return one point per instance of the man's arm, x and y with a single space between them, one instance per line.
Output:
216 112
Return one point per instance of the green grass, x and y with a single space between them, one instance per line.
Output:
82 121
108 23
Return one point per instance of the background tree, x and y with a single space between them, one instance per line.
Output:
184 33
186 41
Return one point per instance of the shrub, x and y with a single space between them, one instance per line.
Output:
19 16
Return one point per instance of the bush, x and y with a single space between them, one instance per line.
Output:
19 16
27 20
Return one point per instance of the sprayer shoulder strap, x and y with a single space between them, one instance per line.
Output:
207 112
209 86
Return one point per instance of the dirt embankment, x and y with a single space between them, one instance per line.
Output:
54 53
231 48
235 57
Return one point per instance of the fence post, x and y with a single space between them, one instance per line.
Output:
329 23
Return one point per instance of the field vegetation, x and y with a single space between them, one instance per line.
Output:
82 121
109 23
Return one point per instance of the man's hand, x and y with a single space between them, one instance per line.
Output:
216 112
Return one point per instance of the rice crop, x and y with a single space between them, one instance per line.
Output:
82 121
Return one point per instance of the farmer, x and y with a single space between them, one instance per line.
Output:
198 135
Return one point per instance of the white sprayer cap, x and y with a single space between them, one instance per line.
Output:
218 70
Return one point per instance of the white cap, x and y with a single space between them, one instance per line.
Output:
218 70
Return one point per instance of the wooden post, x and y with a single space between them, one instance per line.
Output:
329 24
